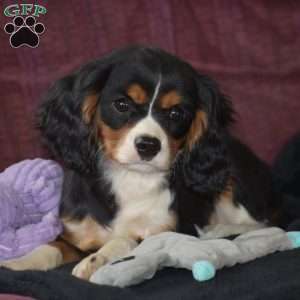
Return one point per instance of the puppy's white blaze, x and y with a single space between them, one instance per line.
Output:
156 91
127 152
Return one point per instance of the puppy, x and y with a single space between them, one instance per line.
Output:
145 143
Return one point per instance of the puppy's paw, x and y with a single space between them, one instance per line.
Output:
12 264
43 258
225 230
88 266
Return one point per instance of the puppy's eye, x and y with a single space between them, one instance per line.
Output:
176 114
121 105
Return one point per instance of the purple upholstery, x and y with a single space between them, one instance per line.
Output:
250 47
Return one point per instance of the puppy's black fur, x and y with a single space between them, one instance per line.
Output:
198 175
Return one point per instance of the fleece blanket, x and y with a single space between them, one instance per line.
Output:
273 277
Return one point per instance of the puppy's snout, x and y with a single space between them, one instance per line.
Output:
147 146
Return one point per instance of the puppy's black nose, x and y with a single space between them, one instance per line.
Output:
147 146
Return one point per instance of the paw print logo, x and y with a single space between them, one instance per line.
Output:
24 32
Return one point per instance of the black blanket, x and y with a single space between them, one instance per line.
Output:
276 276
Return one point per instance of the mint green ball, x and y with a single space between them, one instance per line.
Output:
294 237
203 270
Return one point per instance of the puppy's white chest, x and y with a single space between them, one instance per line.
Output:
144 201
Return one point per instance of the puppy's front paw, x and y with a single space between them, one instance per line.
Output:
88 266
12 264
44 257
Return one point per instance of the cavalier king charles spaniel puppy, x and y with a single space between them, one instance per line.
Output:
145 142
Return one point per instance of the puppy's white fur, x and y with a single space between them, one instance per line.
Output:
228 219
127 153
228 213
144 200
155 94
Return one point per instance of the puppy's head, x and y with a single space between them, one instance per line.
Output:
138 106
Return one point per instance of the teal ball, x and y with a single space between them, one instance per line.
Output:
203 270
294 237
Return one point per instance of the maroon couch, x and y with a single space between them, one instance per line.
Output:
250 47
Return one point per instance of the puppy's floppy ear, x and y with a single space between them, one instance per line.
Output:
61 119
218 108
206 167
205 164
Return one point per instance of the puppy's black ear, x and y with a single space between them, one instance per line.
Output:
206 167
205 164
61 116
218 108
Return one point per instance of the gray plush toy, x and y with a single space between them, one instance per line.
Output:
203 257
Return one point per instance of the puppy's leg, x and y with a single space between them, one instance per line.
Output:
44 257
113 249
225 230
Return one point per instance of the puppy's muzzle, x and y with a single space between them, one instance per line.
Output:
147 147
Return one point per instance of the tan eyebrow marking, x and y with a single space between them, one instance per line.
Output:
169 99
137 93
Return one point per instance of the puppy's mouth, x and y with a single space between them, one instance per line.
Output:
143 167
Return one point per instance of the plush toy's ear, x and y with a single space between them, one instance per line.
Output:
66 112
205 163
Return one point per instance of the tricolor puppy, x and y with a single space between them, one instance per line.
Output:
145 142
